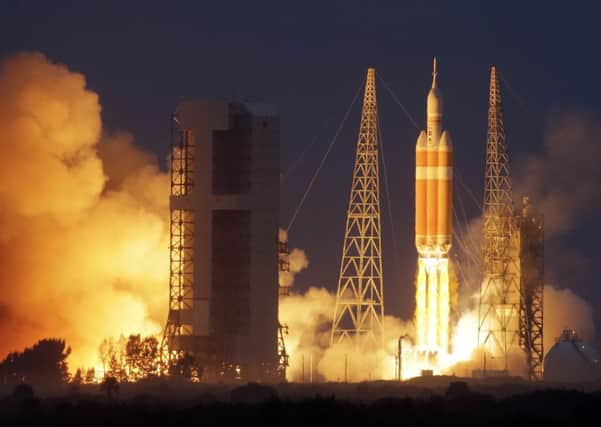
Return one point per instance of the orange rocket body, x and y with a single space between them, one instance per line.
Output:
433 181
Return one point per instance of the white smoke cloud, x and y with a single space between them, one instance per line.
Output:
564 309
297 261
563 180
309 318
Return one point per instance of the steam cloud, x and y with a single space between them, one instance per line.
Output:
563 184
83 237
297 261
564 179
309 318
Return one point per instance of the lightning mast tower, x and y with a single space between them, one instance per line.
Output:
359 309
498 325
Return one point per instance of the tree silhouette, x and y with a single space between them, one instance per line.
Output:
43 363
149 357
113 356
78 377
133 356
90 376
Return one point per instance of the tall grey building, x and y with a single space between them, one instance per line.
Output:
223 302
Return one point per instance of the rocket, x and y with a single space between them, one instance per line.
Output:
433 215
433 180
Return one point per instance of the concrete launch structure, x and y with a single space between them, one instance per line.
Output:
433 226
224 204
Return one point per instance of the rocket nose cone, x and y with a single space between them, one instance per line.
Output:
446 141
421 139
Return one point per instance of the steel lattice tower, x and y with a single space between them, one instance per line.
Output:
181 246
359 309
532 267
500 291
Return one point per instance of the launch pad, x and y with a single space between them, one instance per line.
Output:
510 301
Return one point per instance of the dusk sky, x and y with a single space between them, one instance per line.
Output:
308 59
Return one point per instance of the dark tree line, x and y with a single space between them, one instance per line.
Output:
44 363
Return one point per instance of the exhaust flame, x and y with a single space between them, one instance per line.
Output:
432 305
309 317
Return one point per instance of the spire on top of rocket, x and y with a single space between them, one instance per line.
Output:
433 180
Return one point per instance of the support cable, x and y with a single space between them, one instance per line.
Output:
469 191
388 199
297 161
323 159
520 101
396 99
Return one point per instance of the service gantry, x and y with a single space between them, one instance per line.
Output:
532 268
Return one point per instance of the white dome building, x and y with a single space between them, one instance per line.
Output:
571 360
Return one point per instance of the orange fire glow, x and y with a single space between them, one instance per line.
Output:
84 239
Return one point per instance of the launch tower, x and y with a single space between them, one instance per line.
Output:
359 309
498 326
532 266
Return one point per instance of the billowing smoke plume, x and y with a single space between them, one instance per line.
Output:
564 180
309 318
297 261
566 310
563 183
83 233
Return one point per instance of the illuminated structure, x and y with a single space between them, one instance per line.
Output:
433 227
498 314
532 267
283 291
359 309
223 285
571 360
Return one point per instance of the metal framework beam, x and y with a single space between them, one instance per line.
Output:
532 267
500 288
181 246
359 309
284 267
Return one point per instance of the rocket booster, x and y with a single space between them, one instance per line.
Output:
433 180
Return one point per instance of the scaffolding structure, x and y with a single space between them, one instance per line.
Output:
498 323
532 265
359 308
284 268
178 331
